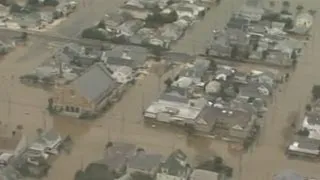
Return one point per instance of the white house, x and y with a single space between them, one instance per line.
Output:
123 74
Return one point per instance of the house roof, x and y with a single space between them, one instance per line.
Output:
197 70
145 162
118 61
48 138
238 23
199 174
95 83
288 175
305 145
174 96
175 164
251 90
127 56
118 154
113 19
232 117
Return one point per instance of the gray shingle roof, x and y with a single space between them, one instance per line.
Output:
96 83
175 164
145 162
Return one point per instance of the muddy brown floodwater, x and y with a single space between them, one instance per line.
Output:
24 105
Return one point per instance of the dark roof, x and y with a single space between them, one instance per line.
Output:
137 55
95 83
307 143
174 96
175 164
251 90
145 162
118 154
118 61
238 23
231 117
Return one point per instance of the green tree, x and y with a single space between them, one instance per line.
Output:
93 33
168 82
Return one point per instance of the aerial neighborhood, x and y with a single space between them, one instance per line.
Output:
159 90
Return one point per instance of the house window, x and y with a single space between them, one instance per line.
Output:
67 108
77 109
72 109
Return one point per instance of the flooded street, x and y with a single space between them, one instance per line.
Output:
24 105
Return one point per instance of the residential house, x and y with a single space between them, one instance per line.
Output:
254 91
239 39
47 143
175 167
303 147
220 48
226 122
199 174
267 78
175 107
145 163
311 121
135 12
288 175
196 71
303 23
118 155
87 94
130 27
280 58
171 32
185 11
237 22
123 75
113 20
251 13
133 57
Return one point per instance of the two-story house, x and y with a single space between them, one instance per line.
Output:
175 167
87 94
